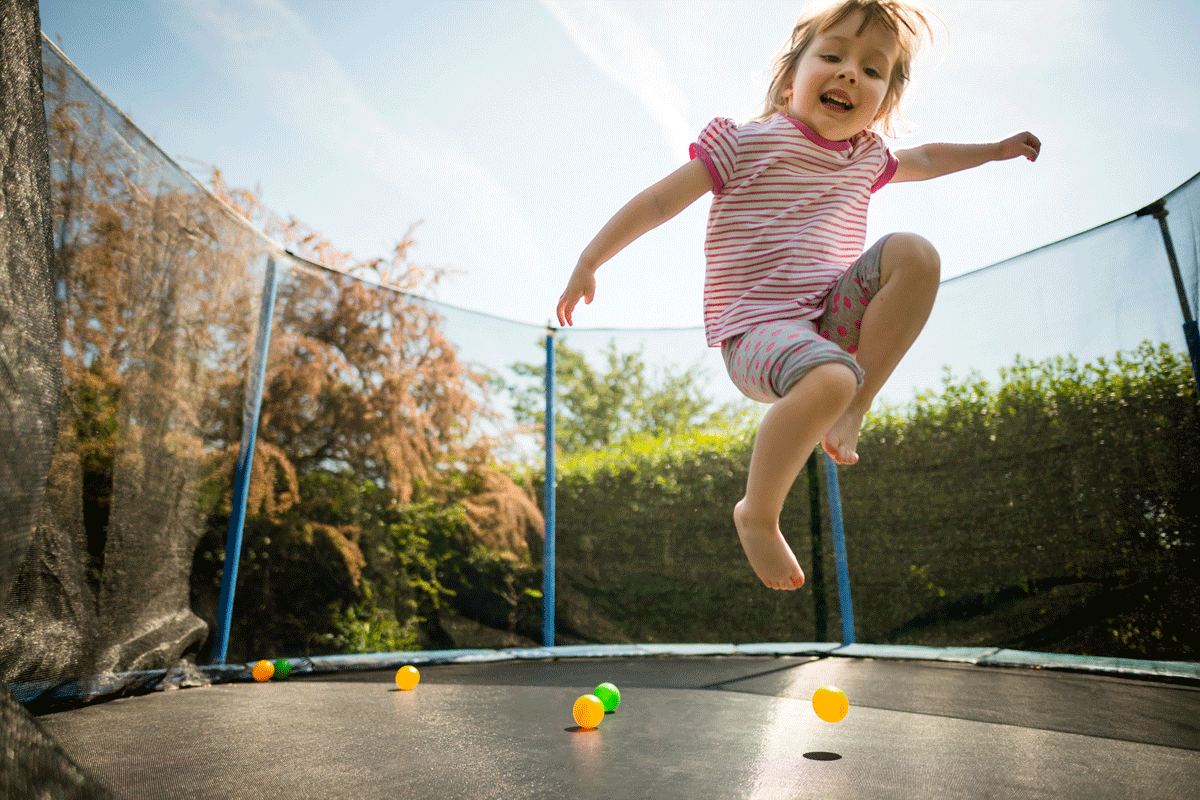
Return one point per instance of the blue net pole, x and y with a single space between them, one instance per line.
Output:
548 511
237 517
839 549
1190 334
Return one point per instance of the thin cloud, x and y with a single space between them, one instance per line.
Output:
268 45
621 49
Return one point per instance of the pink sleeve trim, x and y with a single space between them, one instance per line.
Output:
695 151
889 171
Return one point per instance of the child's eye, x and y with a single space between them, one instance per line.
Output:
874 73
832 59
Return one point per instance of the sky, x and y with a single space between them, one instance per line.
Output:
511 130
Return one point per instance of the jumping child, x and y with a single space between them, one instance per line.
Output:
804 318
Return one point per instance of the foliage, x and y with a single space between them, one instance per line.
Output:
362 379
647 551
300 592
158 285
1064 502
599 409
337 569
1058 510
363 383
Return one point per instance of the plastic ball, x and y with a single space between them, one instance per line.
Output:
609 695
588 711
283 668
830 703
407 677
263 670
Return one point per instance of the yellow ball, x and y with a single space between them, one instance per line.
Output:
588 711
830 703
263 671
407 677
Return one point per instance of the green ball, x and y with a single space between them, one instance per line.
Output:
283 669
610 695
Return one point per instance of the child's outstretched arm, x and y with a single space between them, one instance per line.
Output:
934 160
649 209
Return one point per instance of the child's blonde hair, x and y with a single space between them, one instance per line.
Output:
903 19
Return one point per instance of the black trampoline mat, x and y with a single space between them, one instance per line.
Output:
686 727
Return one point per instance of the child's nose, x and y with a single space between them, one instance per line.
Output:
849 74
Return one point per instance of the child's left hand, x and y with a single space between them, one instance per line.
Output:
1020 144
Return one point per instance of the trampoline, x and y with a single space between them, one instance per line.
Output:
704 721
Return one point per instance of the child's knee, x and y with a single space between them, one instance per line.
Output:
838 381
913 254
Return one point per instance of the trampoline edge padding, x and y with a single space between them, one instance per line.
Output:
158 680
983 656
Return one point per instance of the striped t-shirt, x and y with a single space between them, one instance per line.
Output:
789 215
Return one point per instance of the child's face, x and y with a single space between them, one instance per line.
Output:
842 77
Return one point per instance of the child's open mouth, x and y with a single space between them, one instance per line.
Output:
836 101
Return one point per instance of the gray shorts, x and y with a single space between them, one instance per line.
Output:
765 361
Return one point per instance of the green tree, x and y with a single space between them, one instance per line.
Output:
605 408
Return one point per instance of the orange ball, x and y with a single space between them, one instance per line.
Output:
407 677
830 703
588 711
263 671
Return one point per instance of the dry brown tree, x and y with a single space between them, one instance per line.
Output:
360 378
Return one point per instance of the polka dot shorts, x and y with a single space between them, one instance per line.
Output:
765 361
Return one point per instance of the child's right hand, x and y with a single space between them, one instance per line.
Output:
581 286
649 209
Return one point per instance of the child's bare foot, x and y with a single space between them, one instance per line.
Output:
841 442
769 554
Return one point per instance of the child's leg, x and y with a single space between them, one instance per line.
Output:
909 272
787 434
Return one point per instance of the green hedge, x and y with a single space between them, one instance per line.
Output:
1057 511
647 550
